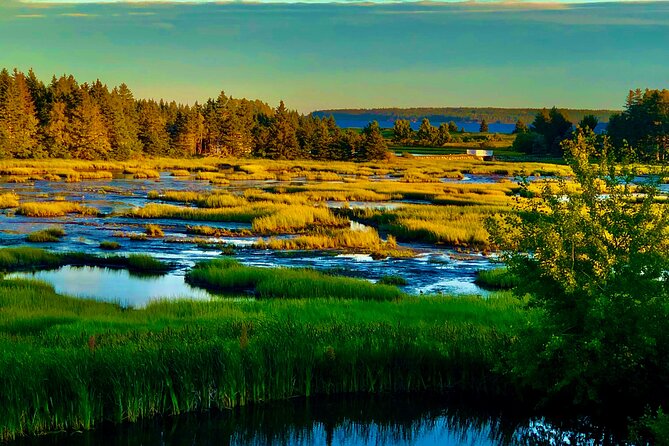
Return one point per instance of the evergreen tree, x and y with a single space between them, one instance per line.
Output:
18 118
347 145
484 126
373 146
89 136
589 122
452 127
282 143
152 129
643 125
123 123
554 126
57 133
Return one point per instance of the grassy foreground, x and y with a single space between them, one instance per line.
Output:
71 364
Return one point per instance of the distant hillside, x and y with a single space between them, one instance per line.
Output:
458 114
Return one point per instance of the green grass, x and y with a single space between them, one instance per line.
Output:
26 258
109 246
228 276
393 280
498 278
69 364
49 235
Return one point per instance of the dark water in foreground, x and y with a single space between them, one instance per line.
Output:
351 421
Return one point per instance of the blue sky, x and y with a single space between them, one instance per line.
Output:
350 55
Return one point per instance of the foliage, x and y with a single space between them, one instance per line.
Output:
554 126
643 125
595 259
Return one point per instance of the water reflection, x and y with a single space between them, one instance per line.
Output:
350 421
118 286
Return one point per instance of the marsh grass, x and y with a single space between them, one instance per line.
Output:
109 246
9 200
154 231
49 235
498 278
365 241
217 232
228 276
54 209
70 364
30 259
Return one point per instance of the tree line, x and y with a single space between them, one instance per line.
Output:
640 132
467 114
428 135
68 119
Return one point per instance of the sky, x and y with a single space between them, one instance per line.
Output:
318 55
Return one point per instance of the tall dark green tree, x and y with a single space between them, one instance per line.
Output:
373 146
483 128
643 125
554 126
443 134
588 122
152 129
282 142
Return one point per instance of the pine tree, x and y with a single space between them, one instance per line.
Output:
152 129
373 146
282 142
18 118
57 136
484 126
90 138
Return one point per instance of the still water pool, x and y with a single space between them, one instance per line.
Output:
117 286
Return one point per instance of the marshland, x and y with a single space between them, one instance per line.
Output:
283 279
165 262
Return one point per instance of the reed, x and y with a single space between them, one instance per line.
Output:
54 209
498 279
49 235
71 364
9 200
27 259
228 276
109 246
154 231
